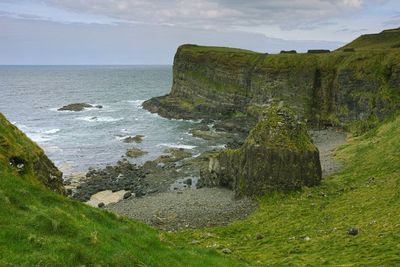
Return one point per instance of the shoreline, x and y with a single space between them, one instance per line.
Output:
159 200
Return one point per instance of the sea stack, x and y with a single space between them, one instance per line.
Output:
278 155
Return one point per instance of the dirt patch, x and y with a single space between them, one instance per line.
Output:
327 141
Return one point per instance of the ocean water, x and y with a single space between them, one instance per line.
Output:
75 141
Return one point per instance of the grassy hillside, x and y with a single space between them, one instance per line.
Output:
388 39
41 228
310 227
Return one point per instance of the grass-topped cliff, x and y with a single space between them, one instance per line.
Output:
39 227
355 89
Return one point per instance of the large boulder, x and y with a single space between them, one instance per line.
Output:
278 155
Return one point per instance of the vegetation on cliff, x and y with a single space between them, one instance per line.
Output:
356 90
25 159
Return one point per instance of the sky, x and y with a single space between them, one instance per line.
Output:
69 32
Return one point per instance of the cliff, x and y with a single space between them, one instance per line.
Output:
22 157
332 88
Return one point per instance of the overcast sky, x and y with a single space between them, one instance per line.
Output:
149 31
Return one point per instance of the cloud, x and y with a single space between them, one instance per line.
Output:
45 42
287 14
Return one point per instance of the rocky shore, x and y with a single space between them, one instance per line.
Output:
166 192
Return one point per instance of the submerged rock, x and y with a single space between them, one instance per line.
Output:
78 107
134 139
135 152
278 155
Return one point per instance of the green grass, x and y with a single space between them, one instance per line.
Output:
366 195
218 49
383 40
42 228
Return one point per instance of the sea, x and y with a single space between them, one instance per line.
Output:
30 97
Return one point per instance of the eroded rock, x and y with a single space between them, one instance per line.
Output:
278 155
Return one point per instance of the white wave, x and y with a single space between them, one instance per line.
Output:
98 119
52 149
137 103
51 131
38 137
218 146
178 146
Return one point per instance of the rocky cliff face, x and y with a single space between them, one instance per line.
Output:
336 88
19 155
278 155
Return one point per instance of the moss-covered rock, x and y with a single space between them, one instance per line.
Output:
135 152
278 155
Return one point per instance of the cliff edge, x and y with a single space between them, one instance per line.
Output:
22 157
359 88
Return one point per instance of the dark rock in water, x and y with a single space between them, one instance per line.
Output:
278 155
201 127
353 231
98 106
134 139
77 107
127 195
135 152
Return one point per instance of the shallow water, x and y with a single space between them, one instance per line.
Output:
75 141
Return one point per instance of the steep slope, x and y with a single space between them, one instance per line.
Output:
387 39
333 88
26 159
42 228
319 226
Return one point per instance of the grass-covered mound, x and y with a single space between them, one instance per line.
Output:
311 227
42 228
387 39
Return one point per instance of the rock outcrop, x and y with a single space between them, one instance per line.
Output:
278 155
78 107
